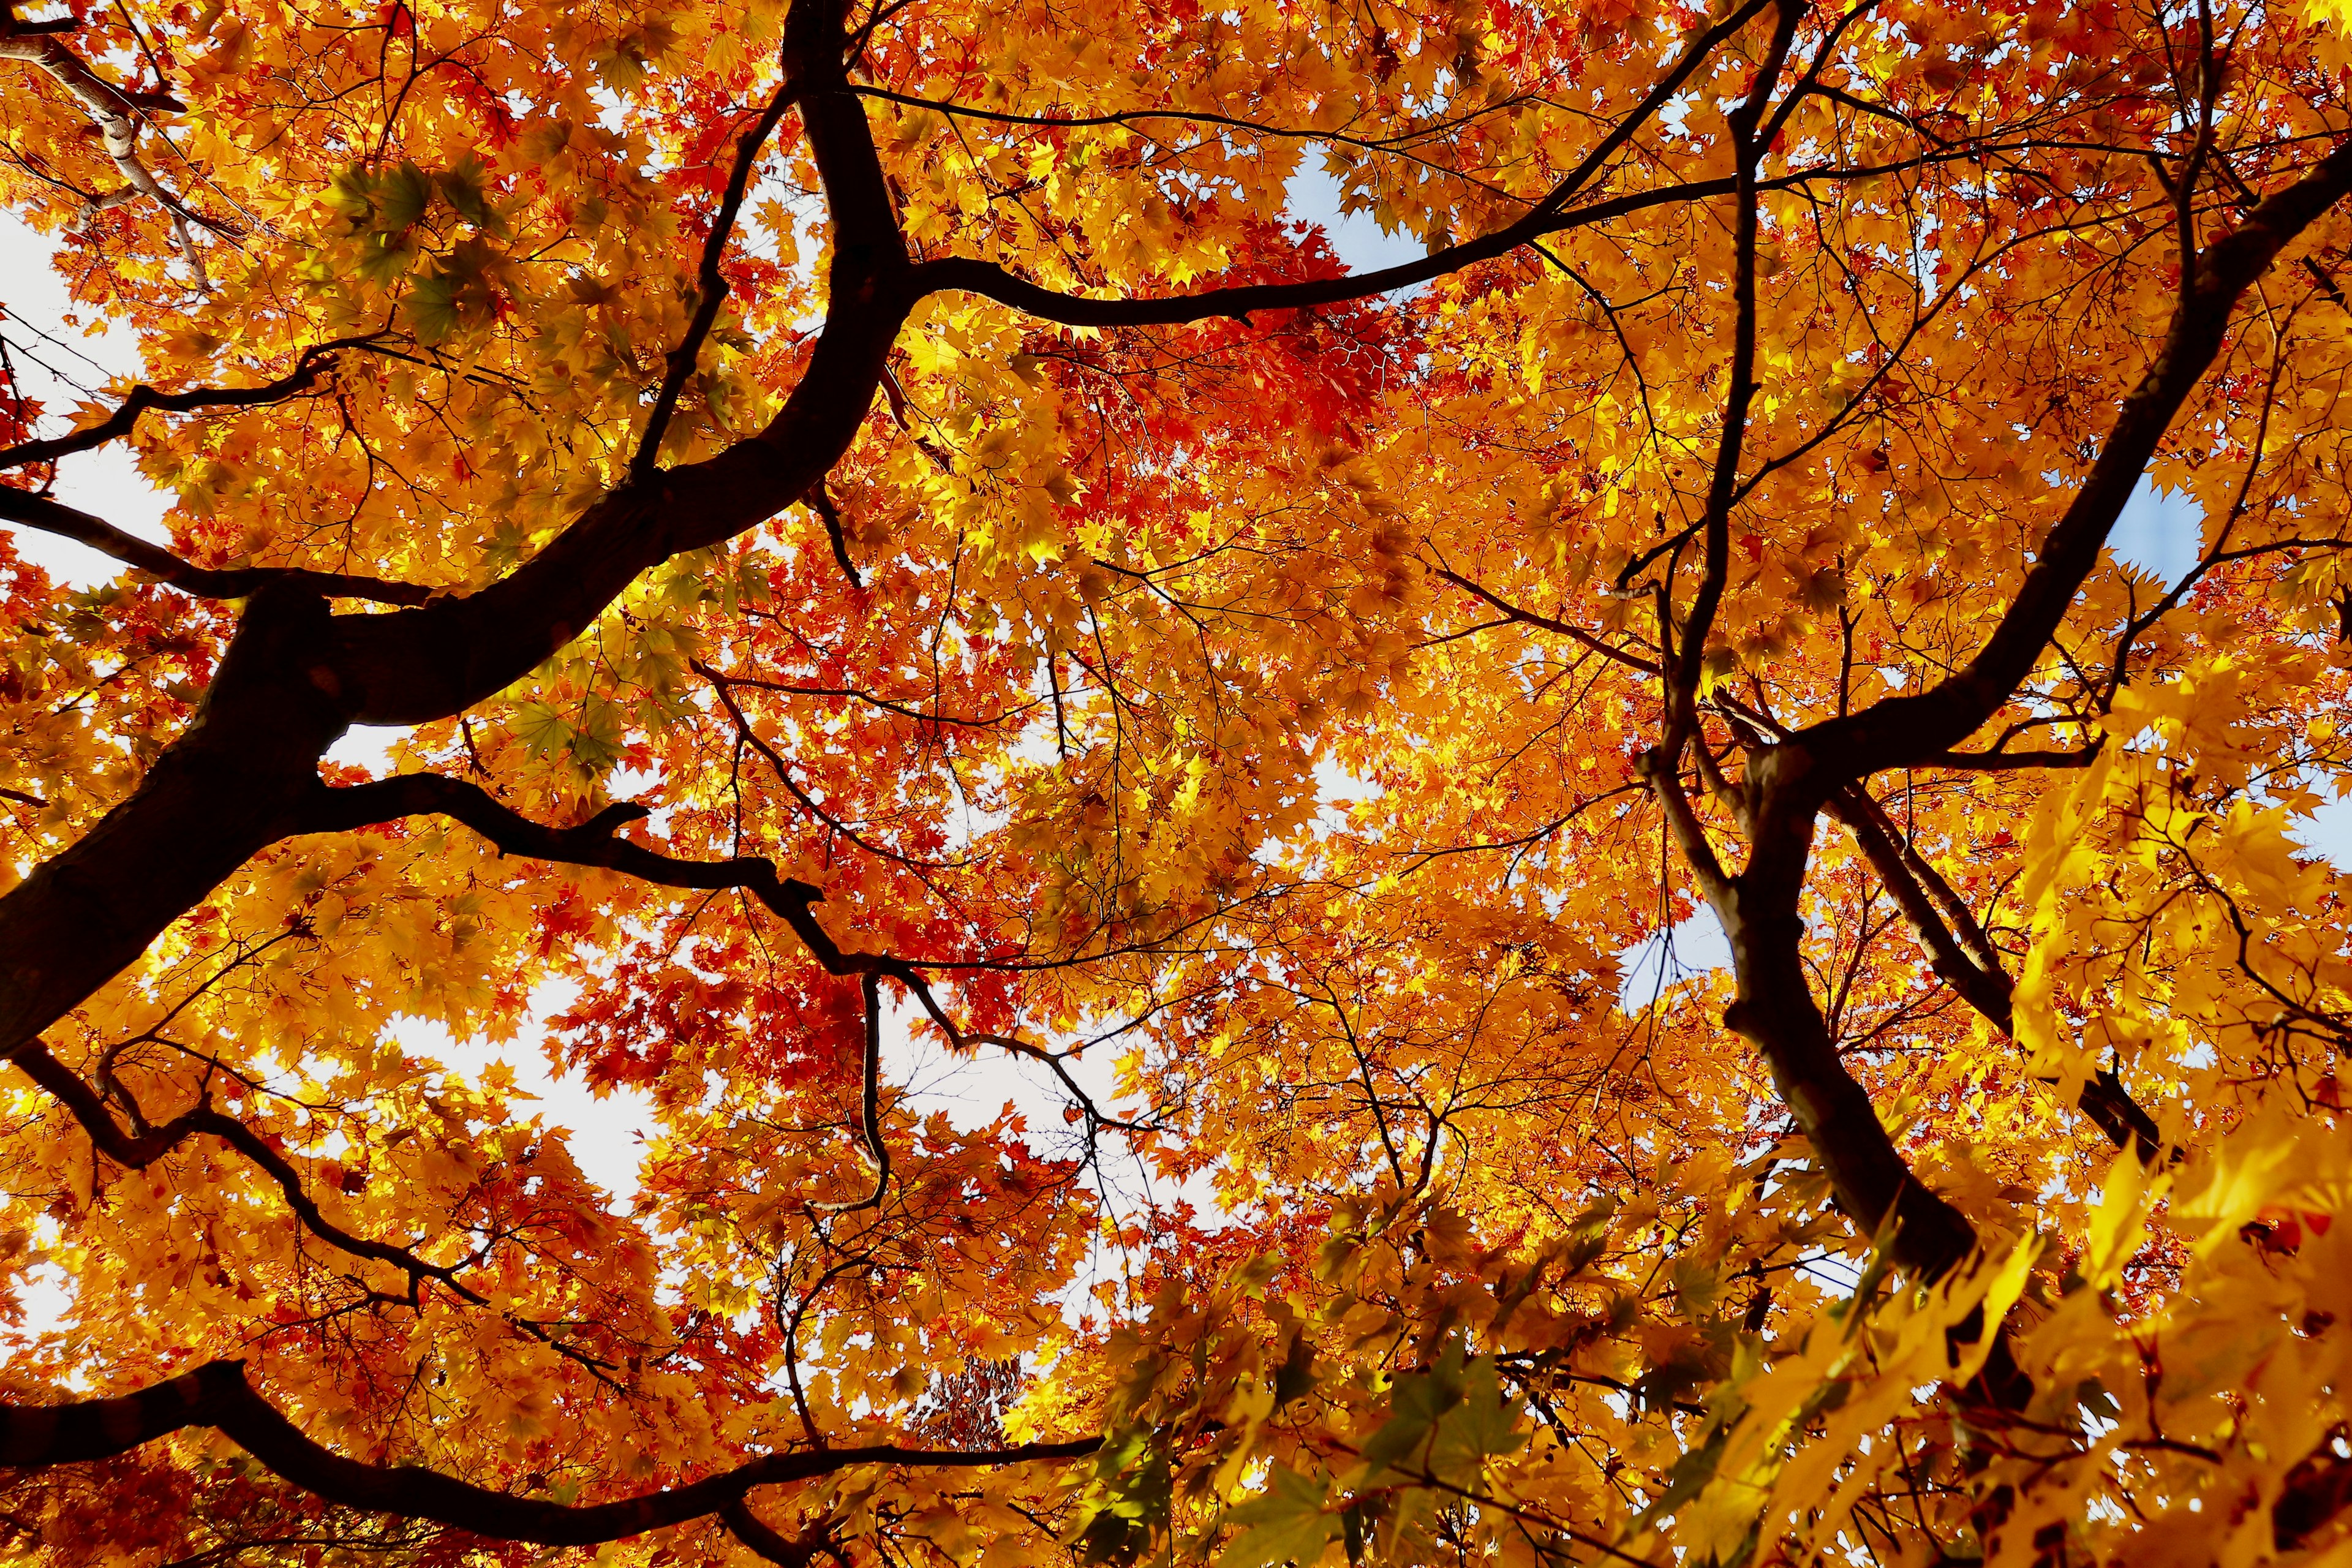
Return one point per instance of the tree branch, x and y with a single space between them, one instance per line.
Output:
1547 217
143 397
1976 972
295 677
766 1541
217 1396
199 582
116 114
711 284
592 843
138 1150
1912 727
1575 634
822 504
869 1105
1682 690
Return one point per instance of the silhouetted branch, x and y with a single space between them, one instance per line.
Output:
216 1395
200 582
142 398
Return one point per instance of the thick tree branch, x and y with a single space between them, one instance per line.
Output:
767 1541
295 677
1913 727
2009 761
217 1396
1758 907
200 582
1791 782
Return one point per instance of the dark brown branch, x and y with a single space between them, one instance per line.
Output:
1682 691
1575 634
1912 727
1758 907
1975 972
295 677
1239 302
723 687
1689 833
1547 217
143 397
869 1106
200 582
592 843
13 27
766 1541
2009 762
711 284
216 1395
1983 985
822 504
137 1151
1790 783
1403 140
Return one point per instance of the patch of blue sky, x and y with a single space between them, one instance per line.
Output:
1314 196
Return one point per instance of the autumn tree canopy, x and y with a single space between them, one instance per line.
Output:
878 530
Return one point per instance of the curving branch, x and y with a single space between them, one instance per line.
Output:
1400 142
768 1543
595 843
139 1149
216 1395
1791 782
296 675
711 284
1240 302
869 1104
144 1145
199 582
142 397
1548 216
1913 727
1757 907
